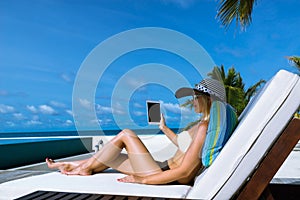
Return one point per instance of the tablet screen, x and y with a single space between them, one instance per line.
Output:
153 112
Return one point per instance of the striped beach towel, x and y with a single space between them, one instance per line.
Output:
223 120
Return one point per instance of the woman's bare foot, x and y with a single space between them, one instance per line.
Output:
68 168
63 167
80 170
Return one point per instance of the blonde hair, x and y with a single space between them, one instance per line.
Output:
206 104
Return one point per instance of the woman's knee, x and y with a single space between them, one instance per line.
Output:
129 133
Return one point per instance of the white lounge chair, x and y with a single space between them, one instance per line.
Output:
265 136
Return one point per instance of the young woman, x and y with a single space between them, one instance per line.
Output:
138 163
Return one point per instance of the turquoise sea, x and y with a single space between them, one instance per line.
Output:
22 137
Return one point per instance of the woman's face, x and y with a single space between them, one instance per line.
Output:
198 99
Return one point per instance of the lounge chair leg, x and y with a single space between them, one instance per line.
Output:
267 195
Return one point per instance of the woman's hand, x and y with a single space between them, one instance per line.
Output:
131 179
162 123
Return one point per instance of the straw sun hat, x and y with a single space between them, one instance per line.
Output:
207 86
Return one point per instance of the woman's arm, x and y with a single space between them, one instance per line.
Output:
167 131
186 171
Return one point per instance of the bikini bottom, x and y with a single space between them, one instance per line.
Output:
163 165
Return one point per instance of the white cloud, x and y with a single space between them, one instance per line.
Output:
57 104
103 109
70 112
45 109
118 112
67 77
96 121
19 116
175 108
68 123
108 121
170 118
33 109
118 109
10 124
104 122
85 103
135 83
137 105
6 109
139 113
33 122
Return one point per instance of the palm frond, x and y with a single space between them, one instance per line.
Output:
240 10
217 73
253 89
236 98
295 61
230 79
188 104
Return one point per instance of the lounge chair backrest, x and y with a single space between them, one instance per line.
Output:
260 124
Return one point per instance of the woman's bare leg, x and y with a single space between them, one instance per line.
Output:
139 161
64 166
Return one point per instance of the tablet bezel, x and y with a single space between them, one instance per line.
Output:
148 102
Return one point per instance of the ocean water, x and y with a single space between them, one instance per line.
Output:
24 137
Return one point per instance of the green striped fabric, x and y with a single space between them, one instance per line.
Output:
223 120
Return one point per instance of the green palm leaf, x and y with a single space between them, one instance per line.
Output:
240 10
295 61
253 89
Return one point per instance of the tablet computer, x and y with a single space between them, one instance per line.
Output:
153 112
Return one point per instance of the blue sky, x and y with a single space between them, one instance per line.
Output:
44 43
